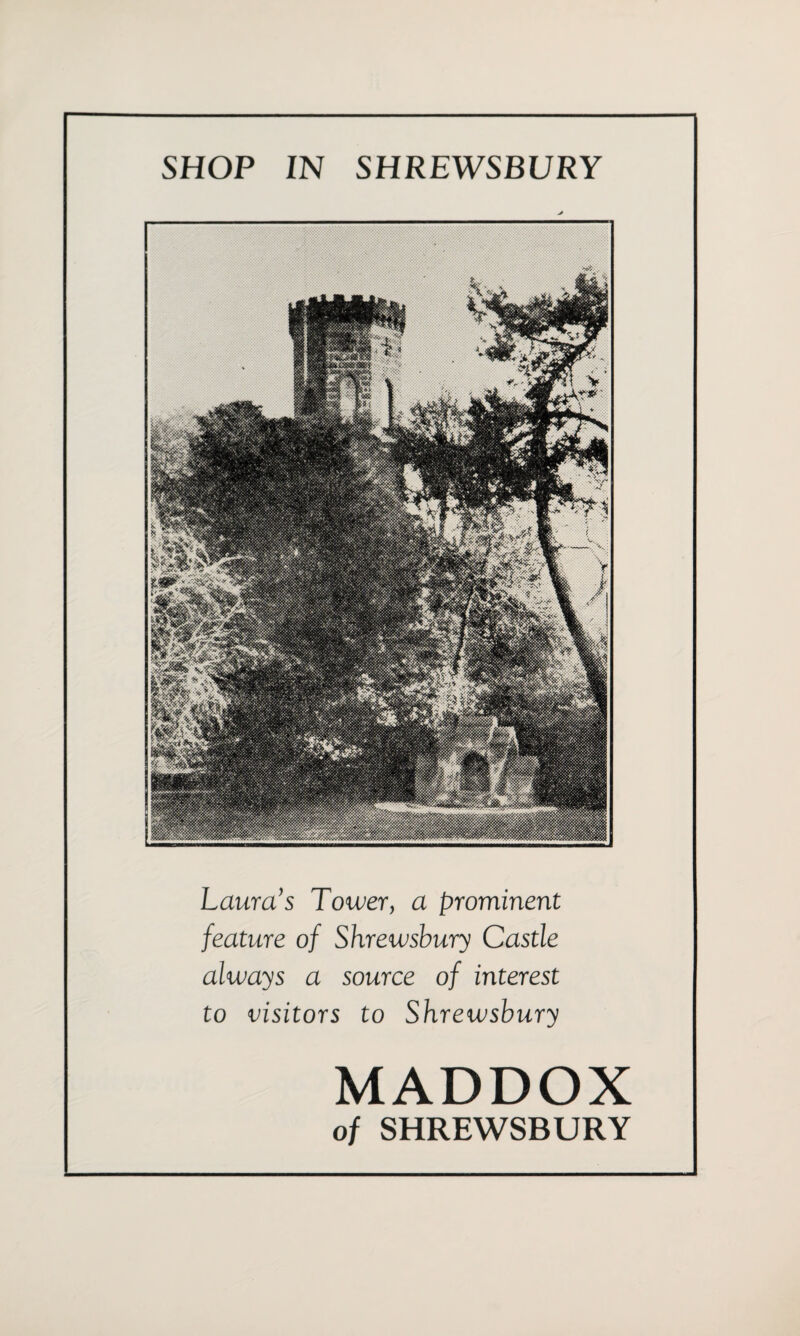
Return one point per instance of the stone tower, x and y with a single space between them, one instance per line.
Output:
348 358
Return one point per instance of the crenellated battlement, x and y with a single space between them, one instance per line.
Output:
356 309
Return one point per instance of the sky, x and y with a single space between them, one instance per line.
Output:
218 298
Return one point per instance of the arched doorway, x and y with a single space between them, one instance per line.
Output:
387 405
348 399
474 774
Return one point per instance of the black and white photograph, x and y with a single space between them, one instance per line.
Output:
378 519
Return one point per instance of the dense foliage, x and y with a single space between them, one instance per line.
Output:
321 599
339 651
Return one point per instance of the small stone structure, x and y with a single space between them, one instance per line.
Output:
477 764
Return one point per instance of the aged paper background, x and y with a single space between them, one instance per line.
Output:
702 1255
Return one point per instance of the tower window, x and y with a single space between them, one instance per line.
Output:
348 399
309 403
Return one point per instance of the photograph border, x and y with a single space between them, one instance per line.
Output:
606 843
664 1173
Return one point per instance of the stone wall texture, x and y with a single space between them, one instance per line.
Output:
348 358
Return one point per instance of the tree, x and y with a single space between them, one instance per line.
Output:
171 442
482 557
198 630
333 553
546 444
333 595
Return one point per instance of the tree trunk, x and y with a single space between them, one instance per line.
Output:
459 658
589 653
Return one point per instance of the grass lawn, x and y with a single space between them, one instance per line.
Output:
178 818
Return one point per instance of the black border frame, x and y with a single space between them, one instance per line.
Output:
693 1171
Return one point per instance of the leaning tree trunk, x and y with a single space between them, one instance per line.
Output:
589 653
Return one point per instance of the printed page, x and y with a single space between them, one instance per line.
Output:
382 788
399 603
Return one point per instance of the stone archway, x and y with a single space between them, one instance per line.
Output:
474 774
